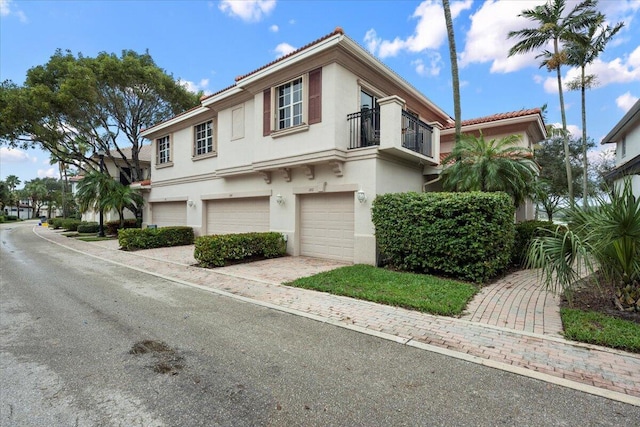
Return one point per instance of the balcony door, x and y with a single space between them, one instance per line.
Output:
370 119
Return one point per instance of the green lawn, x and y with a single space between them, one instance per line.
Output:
596 328
413 291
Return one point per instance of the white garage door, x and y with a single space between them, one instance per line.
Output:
165 214
326 226
238 215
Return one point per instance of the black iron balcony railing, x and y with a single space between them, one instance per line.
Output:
364 128
417 135
364 131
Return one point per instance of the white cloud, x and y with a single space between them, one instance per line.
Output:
574 130
431 69
274 28
195 87
619 70
7 8
626 101
430 31
247 10
48 173
486 40
283 49
14 155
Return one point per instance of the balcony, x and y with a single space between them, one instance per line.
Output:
394 130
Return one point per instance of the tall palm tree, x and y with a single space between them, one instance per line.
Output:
581 52
475 164
556 27
454 69
121 197
12 182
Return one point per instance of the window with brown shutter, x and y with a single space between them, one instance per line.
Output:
266 108
315 96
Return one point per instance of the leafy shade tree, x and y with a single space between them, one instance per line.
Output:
555 27
73 106
99 192
5 198
36 191
455 78
581 52
552 180
475 164
604 238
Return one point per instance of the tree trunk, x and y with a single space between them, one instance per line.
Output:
565 136
454 69
585 163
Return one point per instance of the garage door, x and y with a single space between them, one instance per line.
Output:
326 226
238 215
165 214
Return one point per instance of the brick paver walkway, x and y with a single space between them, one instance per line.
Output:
593 369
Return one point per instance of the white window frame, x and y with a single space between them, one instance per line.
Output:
290 105
203 141
164 152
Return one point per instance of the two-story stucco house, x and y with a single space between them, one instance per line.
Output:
302 146
626 135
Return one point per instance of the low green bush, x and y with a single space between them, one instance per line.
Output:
55 223
467 236
2 219
88 227
70 224
9 218
112 227
219 250
526 231
131 239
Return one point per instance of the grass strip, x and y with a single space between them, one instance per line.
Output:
408 290
597 328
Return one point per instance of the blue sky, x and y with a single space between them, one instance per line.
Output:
206 44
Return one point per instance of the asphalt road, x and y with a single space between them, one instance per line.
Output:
88 343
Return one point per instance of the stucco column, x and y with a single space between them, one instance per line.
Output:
391 121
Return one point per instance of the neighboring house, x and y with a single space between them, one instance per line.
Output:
626 135
302 146
23 211
144 156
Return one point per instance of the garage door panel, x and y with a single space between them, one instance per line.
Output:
327 226
168 214
238 215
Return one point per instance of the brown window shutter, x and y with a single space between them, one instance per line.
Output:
315 96
266 108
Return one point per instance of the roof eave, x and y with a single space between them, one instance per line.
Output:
620 127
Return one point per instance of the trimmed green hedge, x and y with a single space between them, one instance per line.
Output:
112 227
89 227
218 250
131 239
468 236
526 231
70 224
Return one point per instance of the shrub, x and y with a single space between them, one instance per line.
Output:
146 238
2 219
10 218
89 227
468 236
70 224
112 227
219 250
526 231
55 223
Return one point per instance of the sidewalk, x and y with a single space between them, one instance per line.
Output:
520 349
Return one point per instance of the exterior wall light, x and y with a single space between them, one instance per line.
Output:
361 196
280 199
191 203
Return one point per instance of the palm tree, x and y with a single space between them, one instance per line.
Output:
475 164
581 52
454 69
556 28
604 237
12 182
99 192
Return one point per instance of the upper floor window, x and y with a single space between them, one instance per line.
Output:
164 150
290 104
623 147
203 138
294 103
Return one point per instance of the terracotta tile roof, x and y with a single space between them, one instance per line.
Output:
497 117
337 31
